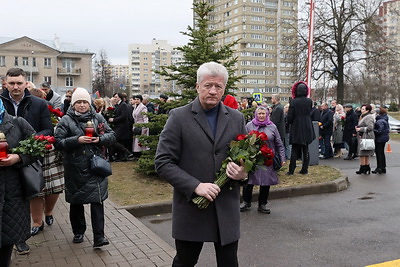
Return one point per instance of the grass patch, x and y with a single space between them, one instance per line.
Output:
126 187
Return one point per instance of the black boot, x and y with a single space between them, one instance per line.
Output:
361 170
377 171
367 169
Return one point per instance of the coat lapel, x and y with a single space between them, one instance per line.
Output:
201 119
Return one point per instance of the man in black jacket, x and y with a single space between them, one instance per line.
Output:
349 132
326 130
19 102
278 115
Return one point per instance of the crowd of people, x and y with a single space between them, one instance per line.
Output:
198 132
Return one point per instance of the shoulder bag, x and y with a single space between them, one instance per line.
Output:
367 144
277 164
100 166
32 180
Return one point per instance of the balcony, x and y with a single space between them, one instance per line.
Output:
69 71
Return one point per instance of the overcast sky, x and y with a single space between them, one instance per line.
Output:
98 24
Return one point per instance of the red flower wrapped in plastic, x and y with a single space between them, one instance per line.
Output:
252 149
55 114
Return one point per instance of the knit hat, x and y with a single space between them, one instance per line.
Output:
80 94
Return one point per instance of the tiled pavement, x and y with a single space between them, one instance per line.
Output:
131 243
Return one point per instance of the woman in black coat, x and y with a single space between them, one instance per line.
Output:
301 131
14 207
381 130
82 186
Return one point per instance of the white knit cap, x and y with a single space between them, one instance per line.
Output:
80 94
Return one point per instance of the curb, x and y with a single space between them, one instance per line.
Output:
337 185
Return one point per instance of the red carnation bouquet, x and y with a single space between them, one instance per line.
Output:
35 145
252 148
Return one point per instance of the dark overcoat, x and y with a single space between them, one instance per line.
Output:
82 186
350 126
188 154
278 118
14 207
122 122
327 122
301 131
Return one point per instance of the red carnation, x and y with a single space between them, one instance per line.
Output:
263 136
48 146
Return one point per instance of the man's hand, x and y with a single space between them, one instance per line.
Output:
87 140
235 171
207 190
10 160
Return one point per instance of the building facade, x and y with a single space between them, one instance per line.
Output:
65 66
144 60
267 34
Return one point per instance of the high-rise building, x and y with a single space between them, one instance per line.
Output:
144 60
267 48
384 69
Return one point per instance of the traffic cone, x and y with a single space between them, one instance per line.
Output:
388 150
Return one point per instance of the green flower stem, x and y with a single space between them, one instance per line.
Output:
221 180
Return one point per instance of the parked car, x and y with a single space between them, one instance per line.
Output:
394 124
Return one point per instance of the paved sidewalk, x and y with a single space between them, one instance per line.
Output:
131 243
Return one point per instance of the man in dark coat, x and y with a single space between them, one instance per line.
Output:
315 113
19 102
190 152
278 115
301 131
349 132
122 128
326 130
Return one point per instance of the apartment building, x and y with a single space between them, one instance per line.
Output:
267 34
63 65
144 60
386 69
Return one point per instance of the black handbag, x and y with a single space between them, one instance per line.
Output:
32 180
277 164
100 166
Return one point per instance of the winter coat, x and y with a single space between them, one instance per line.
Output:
122 123
381 128
14 207
33 109
315 114
301 131
267 175
139 117
366 125
337 136
278 118
189 154
327 122
81 186
54 99
350 126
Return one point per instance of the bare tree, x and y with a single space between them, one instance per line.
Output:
103 80
340 30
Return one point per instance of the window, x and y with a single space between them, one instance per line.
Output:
25 61
2 61
68 64
69 81
47 79
15 61
47 62
33 62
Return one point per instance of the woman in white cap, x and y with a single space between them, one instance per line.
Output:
82 186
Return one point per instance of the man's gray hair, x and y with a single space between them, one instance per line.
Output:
276 97
212 69
146 97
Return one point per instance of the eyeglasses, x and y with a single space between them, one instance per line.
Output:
68 96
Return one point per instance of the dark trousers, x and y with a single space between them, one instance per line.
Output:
187 254
5 255
380 155
78 222
262 196
119 149
301 150
328 152
353 147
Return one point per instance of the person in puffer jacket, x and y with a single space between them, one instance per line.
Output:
381 130
81 185
15 219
